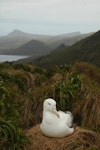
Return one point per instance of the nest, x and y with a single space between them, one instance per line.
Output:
81 140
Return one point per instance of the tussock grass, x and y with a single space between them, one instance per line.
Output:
87 108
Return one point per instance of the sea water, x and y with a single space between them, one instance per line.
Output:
11 58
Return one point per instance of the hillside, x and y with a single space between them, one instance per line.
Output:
33 47
87 50
32 58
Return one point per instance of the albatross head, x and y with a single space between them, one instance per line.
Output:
50 105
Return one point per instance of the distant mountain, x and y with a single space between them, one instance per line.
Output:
68 39
17 33
70 34
87 50
18 38
33 47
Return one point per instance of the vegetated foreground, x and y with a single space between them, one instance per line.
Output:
24 87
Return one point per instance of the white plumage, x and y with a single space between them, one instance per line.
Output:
55 123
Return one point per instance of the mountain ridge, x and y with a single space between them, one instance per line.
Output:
17 38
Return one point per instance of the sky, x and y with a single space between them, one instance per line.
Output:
49 17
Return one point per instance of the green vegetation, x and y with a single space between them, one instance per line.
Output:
11 135
66 91
24 87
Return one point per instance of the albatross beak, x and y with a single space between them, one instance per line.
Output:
55 111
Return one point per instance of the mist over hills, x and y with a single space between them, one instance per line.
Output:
67 39
18 38
87 50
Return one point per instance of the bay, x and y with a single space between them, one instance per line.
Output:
11 58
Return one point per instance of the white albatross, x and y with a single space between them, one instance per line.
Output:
55 123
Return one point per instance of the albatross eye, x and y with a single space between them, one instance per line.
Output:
49 104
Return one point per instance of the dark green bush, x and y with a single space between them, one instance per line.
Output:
11 135
67 90
24 67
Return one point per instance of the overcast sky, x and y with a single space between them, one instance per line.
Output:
49 16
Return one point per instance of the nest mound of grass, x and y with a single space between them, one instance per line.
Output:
82 139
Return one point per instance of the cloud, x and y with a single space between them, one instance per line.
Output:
50 12
46 9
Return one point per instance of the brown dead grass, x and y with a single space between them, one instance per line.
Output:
81 140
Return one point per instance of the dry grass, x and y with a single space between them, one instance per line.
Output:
91 111
87 110
81 140
88 69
